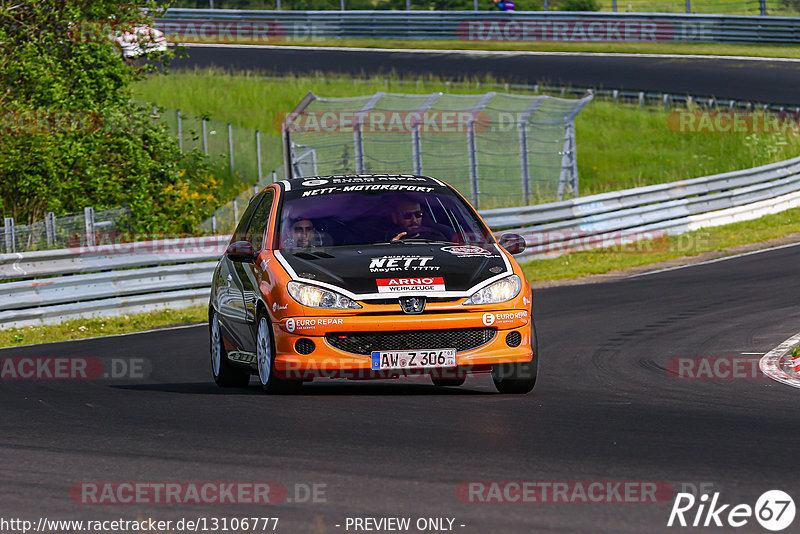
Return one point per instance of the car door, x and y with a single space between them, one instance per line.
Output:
230 295
247 274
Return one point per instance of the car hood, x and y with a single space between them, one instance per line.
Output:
393 270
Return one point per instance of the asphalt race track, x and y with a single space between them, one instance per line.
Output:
605 409
771 81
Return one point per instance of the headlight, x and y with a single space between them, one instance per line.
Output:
316 297
500 291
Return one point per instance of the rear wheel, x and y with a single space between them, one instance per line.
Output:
518 377
265 358
225 375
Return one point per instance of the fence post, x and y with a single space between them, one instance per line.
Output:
358 142
546 7
762 7
88 219
641 99
614 6
274 177
8 230
569 165
50 228
523 160
235 213
214 224
180 137
205 139
473 163
155 114
416 149
688 6
230 145
666 102
258 154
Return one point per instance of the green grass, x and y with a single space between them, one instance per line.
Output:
619 146
100 326
647 252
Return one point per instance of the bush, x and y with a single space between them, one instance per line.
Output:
70 135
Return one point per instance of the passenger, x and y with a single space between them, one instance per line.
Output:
304 233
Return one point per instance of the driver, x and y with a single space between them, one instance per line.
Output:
407 218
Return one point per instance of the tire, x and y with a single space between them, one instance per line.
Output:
518 377
449 382
225 375
265 360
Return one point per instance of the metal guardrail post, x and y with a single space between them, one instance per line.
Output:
614 6
688 6
473 163
180 136
230 145
235 212
258 154
50 228
8 230
88 219
205 138
274 177
641 99
762 7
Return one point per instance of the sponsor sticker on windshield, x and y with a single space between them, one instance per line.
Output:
404 285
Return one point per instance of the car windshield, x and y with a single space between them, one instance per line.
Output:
371 217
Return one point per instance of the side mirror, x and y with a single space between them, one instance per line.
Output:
513 243
241 251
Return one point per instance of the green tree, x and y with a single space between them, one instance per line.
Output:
70 133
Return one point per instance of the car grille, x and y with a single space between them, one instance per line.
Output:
462 339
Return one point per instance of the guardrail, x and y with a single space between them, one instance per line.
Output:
134 277
251 26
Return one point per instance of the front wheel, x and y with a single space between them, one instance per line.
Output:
225 375
265 360
518 377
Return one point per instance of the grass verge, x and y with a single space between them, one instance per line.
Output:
770 51
100 326
720 238
619 145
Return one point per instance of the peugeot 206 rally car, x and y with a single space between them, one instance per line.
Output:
369 276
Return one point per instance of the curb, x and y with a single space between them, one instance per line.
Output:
777 365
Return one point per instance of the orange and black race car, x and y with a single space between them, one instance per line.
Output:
369 276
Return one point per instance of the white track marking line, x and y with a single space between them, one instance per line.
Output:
716 260
493 52
770 364
152 330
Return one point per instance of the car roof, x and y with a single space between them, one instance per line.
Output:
312 182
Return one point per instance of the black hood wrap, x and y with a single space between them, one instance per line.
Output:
421 269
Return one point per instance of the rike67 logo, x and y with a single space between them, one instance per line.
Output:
774 510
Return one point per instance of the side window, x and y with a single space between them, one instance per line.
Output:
240 233
259 222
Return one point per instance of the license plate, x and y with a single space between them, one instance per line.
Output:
413 359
